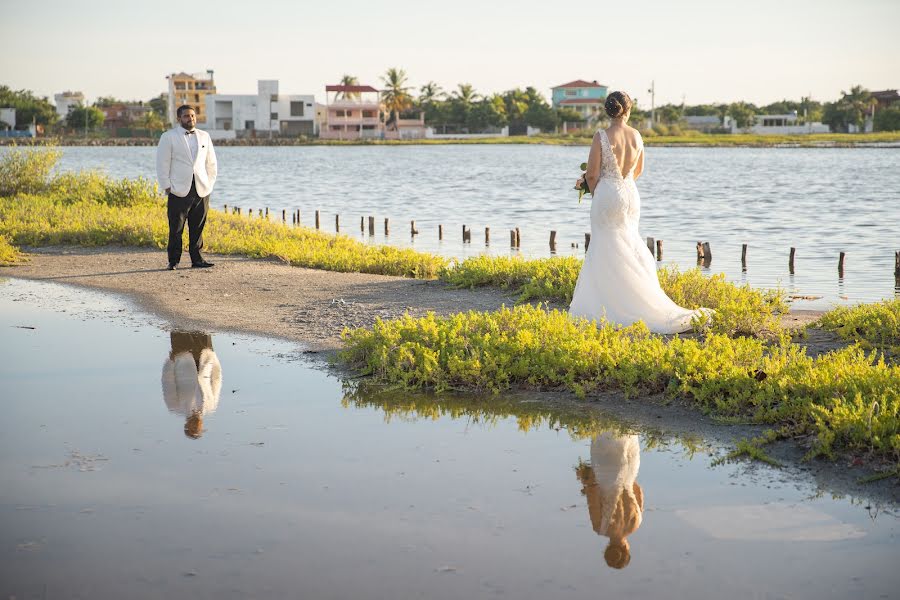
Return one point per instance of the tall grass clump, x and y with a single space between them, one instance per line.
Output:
9 254
844 400
26 170
872 325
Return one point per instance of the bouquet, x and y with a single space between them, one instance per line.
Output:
583 187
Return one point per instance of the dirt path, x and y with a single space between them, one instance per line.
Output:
262 296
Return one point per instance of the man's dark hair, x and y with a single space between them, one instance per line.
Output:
183 108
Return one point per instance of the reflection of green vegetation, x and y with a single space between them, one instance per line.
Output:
844 400
579 421
873 325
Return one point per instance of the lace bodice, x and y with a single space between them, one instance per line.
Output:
609 168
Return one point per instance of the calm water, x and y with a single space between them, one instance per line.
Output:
821 201
302 485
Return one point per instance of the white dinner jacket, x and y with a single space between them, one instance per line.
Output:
174 168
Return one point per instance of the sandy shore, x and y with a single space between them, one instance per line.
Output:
264 297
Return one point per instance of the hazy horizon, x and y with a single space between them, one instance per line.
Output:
697 51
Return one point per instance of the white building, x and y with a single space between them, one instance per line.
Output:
788 124
7 119
229 116
65 101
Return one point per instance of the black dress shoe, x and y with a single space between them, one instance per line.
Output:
201 265
171 266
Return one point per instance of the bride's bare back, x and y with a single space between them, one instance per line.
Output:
626 147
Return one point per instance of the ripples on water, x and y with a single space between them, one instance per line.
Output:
821 201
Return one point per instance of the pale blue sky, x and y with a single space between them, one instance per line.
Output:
703 50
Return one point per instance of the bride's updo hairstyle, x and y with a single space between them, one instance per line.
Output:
618 104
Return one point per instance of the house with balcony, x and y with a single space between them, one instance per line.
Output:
65 101
192 90
584 97
266 113
352 112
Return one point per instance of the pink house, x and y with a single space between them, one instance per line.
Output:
352 112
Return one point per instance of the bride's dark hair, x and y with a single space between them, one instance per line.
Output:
618 104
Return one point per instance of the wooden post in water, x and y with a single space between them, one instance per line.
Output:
464 234
412 228
362 224
791 260
587 241
225 208
841 265
337 223
487 236
512 238
897 264
659 252
371 225
293 217
283 215
387 226
298 216
267 212
440 232
707 254
518 238
743 257
250 213
651 244
317 220
552 241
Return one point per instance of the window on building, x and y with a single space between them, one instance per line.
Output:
339 113
368 114
571 93
296 109
349 113
179 85
249 125
368 127
273 116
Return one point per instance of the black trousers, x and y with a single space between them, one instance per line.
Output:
193 209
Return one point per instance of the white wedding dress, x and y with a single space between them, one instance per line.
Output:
618 281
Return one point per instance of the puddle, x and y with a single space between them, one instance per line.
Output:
143 463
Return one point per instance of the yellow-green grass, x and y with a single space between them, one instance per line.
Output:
740 310
872 325
9 254
845 400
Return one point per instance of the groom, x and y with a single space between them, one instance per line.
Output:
186 168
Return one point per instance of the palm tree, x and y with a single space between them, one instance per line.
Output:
348 80
395 95
430 93
858 103
466 94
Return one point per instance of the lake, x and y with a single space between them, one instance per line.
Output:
125 474
822 201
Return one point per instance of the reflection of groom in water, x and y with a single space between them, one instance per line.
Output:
192 379
615 500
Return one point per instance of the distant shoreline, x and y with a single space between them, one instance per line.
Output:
836 140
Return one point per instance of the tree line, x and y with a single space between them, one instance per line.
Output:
464 109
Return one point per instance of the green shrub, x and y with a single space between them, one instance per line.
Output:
873 325
26 170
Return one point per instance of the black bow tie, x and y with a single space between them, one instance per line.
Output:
192 132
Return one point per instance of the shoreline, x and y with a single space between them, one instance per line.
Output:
310 308
890 141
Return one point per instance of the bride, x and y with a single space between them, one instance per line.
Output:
618 280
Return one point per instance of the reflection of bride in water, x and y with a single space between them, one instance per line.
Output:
192 379
615 500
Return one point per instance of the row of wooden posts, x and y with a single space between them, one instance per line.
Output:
704 251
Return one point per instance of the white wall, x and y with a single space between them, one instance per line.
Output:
65 102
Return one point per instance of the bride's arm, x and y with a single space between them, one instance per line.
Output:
593 167
639 167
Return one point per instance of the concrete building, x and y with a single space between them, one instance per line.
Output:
65 101
266 113
123 115
185 88
352 112
787 124
7 119
584 97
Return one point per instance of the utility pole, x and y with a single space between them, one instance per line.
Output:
652 92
